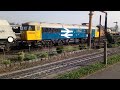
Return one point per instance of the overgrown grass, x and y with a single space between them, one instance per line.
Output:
68 48
71 48
60 49
83 71
83 46
6 62
30 57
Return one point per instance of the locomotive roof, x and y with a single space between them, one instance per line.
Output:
4 22
57 25
31 23
52 25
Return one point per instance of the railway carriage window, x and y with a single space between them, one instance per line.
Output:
46 30
93 29
79 30
55 30
42 30
50 30
58 30
86 31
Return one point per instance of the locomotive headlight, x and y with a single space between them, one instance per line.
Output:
10 39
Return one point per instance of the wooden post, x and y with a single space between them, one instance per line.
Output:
99 29
105 52
29 47
89 33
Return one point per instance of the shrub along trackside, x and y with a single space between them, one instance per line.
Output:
83 71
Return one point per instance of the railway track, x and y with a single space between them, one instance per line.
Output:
43 71
46 70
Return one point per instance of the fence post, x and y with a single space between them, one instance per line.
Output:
29 47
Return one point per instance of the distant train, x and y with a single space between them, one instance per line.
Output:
7 36
38 34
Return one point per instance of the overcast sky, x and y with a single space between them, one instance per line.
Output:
67 17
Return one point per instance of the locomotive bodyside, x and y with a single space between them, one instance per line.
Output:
7 36
55 32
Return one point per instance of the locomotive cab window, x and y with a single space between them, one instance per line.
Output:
29 28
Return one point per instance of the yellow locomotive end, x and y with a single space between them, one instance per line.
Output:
97 33
31 31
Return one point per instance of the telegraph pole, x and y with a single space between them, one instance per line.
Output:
105 41
106 25
89 33
99 29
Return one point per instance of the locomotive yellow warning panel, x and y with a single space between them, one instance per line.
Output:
31 31
97 33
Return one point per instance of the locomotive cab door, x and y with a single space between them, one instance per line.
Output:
38 33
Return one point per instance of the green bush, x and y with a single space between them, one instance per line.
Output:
30 56
52 53
82 46
69 48
6 62
21 56
44 55
76 48
114 45
118 43
109 45
59 49
109 37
